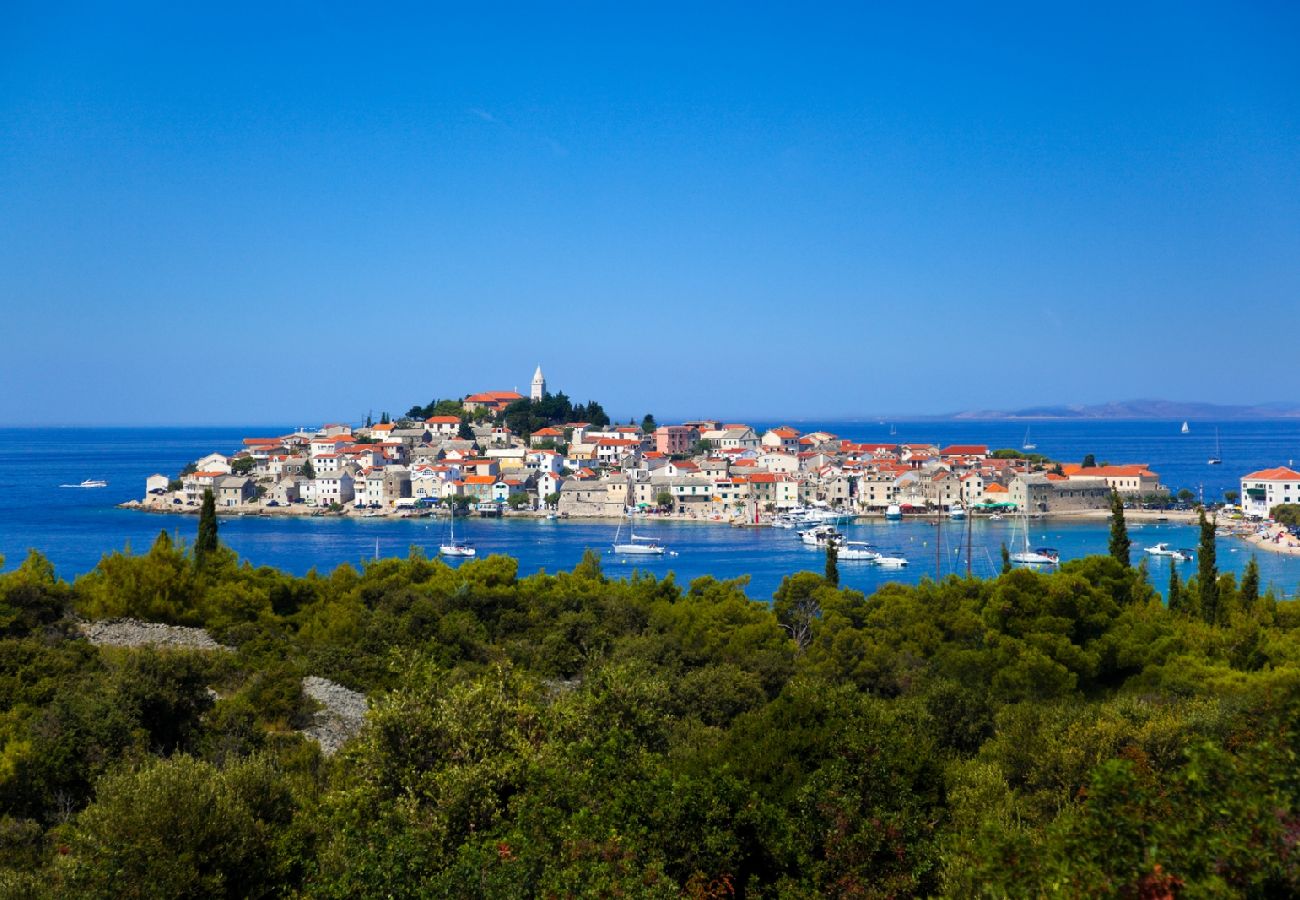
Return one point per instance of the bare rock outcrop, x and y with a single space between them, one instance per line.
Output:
134 633
340 717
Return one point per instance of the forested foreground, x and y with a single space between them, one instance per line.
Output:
574 735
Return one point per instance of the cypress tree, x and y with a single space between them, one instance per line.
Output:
1207 574
1175 597
206 543
1119 540
1250 585
1006 559
832 564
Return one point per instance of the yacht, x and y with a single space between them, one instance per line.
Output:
857 550
891 562
88 483
1217 458
893 512
820 536
1163 549
454 547
1039 556
636 545
957 513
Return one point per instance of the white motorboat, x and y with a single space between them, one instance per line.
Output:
1163 549
820 535
88 483
893 512
891 562
857 550
636 545
957 513
454 547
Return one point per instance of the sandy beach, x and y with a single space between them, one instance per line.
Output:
1274 539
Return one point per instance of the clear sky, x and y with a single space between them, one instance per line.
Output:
293 212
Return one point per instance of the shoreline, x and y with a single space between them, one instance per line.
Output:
1142 516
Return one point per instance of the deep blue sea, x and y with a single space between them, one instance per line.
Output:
74 527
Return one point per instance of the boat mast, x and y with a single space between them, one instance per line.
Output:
938 534
969 525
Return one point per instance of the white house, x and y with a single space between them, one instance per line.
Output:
337 487
156 484
548 483
782 438
1267 488
214 462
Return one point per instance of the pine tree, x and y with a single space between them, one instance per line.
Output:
206 543
1175 598
1006 559
308 470
1119 540
832 564
1207 571
1250 585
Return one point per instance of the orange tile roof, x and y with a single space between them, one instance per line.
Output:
1281 473
443 420
965 450
1128 471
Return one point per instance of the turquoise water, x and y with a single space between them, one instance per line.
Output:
74 527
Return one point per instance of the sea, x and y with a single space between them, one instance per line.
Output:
74 527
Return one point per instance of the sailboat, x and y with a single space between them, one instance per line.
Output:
1217 458
893 429
635 545
1028 444
1185 429
454 547
1039 556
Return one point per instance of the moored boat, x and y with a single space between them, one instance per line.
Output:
858 551
1163 549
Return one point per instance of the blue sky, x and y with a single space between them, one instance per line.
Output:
295 212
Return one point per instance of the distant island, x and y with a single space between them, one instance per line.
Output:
1141 409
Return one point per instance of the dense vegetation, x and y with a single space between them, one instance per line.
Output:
569 735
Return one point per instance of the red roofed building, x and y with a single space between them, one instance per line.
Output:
974 451
492 401
1136 480
1267 488
443 426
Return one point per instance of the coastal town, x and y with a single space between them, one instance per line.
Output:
704 469
468 459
